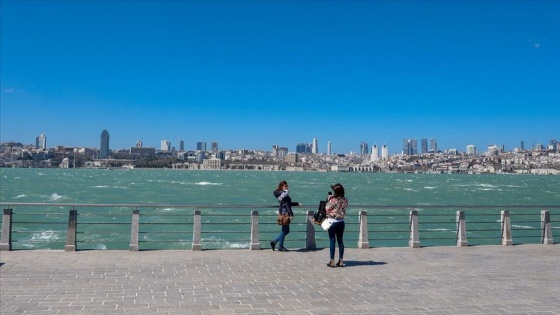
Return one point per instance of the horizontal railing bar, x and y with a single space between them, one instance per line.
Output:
201 207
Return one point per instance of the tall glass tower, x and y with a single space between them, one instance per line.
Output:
104 145
41 142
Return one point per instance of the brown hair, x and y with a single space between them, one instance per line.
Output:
281 185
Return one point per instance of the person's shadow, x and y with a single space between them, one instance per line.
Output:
352 263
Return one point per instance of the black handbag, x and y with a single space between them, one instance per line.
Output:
321 213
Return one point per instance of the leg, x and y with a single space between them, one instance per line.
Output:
285 231
332 240
339 239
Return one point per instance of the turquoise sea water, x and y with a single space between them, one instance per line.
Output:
182 187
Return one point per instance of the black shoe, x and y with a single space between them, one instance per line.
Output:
273 245
331 264
283 249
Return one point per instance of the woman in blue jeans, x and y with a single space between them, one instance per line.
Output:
285 208
336 210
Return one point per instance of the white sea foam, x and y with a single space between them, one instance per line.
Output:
55 197
208 183
521 226
429 187
439 229
20 196
100 246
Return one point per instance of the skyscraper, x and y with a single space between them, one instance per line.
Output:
181 145
433 145
315 149
374 153
104 145
364 148
201 146
329 148
214 146
384 152
410 147
41 142
471 149
424 146
303 148
165 145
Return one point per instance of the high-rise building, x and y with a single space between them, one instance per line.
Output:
315 149
553 145
471 149
104 145
374 153
181 145
433 145
522 145
214 146
165 145
410 147
364 148
424 146
201 146
329 148
303 148
139 143
384 152
41 142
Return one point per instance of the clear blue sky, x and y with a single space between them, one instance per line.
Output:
253 74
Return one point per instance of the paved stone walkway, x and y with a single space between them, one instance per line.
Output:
522 279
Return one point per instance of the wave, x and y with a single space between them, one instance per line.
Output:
55 197
522 226
20 196
208 183
428 187
441 229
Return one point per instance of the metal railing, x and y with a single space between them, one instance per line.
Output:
161 226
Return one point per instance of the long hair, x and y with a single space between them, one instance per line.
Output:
338 190
281 185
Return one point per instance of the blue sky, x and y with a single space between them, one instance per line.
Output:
253 74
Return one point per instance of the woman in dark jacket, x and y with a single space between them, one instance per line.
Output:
284 210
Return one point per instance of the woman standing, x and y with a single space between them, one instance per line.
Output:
336 210
284 211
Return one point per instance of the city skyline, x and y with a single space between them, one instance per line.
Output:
410 147
257 74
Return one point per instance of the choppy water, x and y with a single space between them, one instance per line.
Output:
181 187
251 187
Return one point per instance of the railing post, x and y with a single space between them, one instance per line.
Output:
197 236
255 241
414 240
546 228
310 243
363 241
71 232
461 229
506 229
134 231
6 238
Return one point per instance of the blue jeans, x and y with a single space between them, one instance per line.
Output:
280 238
336 232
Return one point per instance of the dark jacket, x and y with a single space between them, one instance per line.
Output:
285 202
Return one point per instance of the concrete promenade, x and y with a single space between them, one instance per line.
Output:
522 279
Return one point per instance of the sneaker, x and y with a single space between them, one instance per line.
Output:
331 264
283 249
273 245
